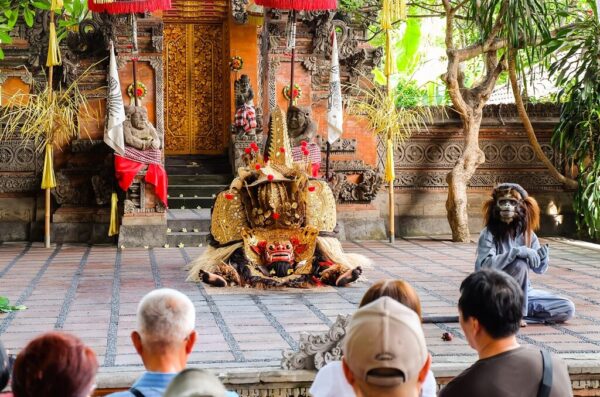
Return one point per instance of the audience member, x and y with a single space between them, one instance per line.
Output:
330 380
164 338
55 364
5 369
194 382
385 354
490 311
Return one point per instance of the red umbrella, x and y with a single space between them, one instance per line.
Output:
296 5
129 7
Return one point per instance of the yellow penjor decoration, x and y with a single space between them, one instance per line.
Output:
48 178
113 228
392 11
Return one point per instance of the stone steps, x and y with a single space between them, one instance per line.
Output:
189 227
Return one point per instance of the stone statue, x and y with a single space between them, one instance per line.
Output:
138 131
245 115
300 125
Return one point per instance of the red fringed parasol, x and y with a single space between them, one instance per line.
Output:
299 5
128 6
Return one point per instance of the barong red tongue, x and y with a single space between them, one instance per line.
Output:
127 169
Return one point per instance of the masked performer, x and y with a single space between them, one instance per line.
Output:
508 243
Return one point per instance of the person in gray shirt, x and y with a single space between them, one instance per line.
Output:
489 314
509 243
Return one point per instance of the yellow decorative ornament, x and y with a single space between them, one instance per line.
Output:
280 150
113 228
392 11
53 51
48 178
390 174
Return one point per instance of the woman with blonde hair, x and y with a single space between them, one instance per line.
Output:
330 380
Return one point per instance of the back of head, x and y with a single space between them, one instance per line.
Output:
54 364
194 382
384 344
399 290
164 317
4 367
495 299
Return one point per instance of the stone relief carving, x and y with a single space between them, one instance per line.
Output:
365 190
317 350
342 145
445 153
238 11
354 59
13 184
437 179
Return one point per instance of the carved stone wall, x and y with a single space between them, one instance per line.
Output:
423 161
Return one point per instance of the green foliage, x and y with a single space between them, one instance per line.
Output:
6 307
408 95
577 71
74 11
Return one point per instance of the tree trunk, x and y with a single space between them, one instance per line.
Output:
537 149
458 178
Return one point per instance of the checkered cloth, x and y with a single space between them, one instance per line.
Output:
314 153
151 156
245 117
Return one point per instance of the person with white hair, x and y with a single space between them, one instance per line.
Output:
164 338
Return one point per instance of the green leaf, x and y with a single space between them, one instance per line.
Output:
5 38
1 54
28 15
4 301
42 5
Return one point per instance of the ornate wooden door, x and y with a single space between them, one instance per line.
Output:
196 87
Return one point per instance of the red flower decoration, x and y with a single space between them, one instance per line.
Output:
275 215
305 152
282 149
303 144
254 146
247 150
229 196
270 177
311 188
257 166
139 92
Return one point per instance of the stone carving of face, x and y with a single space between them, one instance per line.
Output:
137 120
507 206
297 120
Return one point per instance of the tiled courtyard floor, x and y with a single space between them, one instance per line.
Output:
92 291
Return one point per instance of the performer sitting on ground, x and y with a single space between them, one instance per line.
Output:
508 243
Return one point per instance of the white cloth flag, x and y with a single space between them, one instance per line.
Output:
115 111
335 115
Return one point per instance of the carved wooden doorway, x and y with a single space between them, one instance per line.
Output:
196 82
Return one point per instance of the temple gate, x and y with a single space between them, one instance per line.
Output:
196 51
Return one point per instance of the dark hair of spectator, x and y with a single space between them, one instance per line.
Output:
54 364
4 367
398 290
495 299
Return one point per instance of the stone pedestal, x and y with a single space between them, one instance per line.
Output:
238 146
143 230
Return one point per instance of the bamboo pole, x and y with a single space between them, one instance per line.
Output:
48 196
390 141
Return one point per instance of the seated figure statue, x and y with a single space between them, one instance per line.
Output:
138 131
245 122
508 243
302 131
